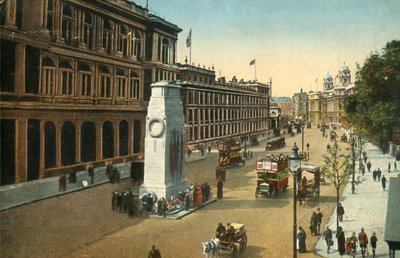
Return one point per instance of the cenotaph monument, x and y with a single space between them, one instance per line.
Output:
164 155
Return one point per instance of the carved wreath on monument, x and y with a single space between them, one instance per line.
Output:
156 127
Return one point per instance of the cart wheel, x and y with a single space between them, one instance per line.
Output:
243 243
233 251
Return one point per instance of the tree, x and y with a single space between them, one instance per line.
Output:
375 105
336 169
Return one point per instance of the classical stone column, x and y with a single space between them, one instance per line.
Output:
42 150
20 52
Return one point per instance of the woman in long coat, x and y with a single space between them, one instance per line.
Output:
301 236
341 240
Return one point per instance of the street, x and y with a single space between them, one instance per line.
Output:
82 224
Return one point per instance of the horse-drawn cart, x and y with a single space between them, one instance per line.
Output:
236 235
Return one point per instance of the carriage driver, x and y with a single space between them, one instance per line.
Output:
221 230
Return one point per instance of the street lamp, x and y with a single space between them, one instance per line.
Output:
302 140
294 165
353 157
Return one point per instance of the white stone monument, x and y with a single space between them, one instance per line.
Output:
164 155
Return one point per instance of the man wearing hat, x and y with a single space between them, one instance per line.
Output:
220 230
328 237
374 239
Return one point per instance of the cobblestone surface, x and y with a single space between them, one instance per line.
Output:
82 224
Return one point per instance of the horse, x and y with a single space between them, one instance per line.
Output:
211 246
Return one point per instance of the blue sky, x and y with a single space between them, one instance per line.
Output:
293 41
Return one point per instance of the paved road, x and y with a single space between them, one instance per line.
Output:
367 207
82 224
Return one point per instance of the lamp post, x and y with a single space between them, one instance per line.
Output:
294 164
302 140
353 157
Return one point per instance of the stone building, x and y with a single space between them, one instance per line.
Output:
75 79
327 106
300 106
285 106
215 110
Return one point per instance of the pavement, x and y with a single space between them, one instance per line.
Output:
367 207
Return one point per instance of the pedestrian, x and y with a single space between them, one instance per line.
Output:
220 189
353 245
308 146
362 169
395 166
341 240
154 253
374 239
340 212
365 159
369 166
221 230
328 238
313 223
379 173
91 173
374 175
301 236
319 216
389 167
363 240
384 182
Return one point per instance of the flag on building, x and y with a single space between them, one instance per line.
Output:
189 39
253 62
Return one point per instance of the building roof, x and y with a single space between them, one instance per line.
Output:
281 99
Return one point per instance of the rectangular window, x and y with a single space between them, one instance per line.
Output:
134 89
66 82
48 77
85 79
105 86
121 86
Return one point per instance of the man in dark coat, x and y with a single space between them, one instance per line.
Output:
340 212
374 239
313 224
220 189
328 237
383 182
369 166
221 230
379 173
319 216
154 253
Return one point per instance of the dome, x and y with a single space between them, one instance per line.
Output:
327 76
345 68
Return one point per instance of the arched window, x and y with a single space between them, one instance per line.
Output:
104 82
49 145
87 33
165 51
134 86
123 138
66 77
85 80
88 142
108 140
138 44
122 40
68 22
120 79
107 36
48 76
68 143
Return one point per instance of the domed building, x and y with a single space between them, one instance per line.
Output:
326 106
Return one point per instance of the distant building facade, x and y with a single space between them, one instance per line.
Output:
300 105
75 82
327 106
216 110
285 106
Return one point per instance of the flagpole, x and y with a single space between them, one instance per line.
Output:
190 52
255 71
